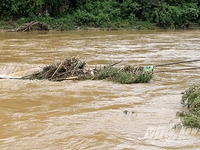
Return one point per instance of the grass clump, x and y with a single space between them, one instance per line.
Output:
125 75
191 100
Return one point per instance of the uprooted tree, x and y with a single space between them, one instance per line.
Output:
30 26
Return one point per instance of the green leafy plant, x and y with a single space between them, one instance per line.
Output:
191 99
123 76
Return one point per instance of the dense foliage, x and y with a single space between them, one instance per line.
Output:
191 99
103 13
125 75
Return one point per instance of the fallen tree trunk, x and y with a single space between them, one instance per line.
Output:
31 26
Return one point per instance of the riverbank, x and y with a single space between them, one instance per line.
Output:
63 24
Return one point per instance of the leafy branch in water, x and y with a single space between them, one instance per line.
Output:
191 100
126 75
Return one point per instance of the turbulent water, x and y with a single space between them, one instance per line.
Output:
96 114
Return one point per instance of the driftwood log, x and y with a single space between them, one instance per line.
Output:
30 26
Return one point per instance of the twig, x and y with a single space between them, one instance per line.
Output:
116 63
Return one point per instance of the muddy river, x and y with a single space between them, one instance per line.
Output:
96 114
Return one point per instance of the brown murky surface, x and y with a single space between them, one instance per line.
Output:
91 114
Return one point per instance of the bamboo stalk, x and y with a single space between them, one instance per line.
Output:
69 78
57 69
177 69
180 62
116 63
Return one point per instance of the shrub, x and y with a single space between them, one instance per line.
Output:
191 99
127 75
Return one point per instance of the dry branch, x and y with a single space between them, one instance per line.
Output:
30 26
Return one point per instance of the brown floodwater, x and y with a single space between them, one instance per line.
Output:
96 114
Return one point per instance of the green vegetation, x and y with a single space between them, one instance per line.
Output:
112 14
126 75
191 99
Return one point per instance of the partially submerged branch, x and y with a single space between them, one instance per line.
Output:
30 26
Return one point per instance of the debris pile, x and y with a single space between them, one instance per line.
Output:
69 68
75 69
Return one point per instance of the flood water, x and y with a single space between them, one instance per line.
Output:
96 114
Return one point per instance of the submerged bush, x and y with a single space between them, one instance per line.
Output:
191 100
191 120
